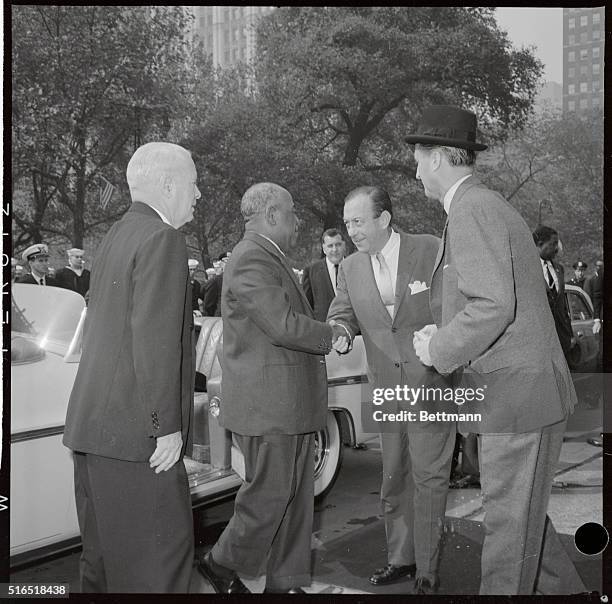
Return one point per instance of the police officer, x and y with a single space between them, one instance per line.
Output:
579 274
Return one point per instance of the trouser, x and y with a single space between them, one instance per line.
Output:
521 553
136 526
416 468
271 527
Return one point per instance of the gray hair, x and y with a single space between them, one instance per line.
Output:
259 197
456 156
155 163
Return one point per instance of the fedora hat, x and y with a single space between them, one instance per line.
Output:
448 126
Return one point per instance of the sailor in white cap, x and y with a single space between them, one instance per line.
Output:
74 276
196 288
37 258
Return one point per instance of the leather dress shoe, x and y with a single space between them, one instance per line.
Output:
293 590
223 580
391 573
423 586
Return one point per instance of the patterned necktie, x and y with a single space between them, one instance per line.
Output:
549 278
385 285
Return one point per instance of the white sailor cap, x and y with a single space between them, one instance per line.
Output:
74 251
192 263
38 249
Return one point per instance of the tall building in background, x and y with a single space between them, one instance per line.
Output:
228 32
583 59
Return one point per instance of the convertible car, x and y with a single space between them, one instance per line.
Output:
46 331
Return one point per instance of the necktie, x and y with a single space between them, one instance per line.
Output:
336 269
385 285
549 278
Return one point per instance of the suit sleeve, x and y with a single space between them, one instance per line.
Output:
480 247
257 286
160 266
211 294
307 286
341 308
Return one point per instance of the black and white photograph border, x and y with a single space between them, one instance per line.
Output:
50 197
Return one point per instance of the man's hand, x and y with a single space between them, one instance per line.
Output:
596 326
341 341
167 452
421 340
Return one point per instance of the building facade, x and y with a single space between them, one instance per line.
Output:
583 59
228 32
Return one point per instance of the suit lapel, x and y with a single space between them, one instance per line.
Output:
370 288
405 268
326 278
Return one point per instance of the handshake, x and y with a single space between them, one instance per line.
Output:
341 337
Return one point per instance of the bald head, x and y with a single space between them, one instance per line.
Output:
268 209
163 176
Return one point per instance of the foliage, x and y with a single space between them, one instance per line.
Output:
88 83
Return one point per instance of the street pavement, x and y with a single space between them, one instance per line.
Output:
349 541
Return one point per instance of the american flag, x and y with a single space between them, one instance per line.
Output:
106 192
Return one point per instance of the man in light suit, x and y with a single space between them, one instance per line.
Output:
488 299
131 405
274 387
383 294
320 278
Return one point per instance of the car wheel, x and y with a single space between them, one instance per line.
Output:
328 456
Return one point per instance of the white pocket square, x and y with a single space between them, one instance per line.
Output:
417 286
444 266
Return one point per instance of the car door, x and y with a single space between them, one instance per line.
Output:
583 357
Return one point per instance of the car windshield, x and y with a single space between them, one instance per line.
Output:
46 316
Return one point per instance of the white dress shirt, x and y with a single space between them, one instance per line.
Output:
331 271
160 215
448 196
553 272
390 253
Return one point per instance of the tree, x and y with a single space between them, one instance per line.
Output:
346 83
88 83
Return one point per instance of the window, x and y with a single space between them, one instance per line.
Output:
571 56
596 52
595 68
584 20
595 101
583 37
572 22
571 72
596 18
572 39
571 106
584 104
584 54
583 70
571 89
595 85
579 310
583 87
595 34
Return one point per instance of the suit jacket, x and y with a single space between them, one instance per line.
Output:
68 279
49 281
560 310
195 294
388 342
212 296
593 287
318 288
273 369
135 378
488 297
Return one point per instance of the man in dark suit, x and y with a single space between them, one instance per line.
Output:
213 288
547 242
488 299
37 258
130 410
383 293
74 276
320 278
594 287
196 294
274 386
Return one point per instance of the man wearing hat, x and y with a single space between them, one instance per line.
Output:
579 274
192 263
74 276
212 291
495 328
37 257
